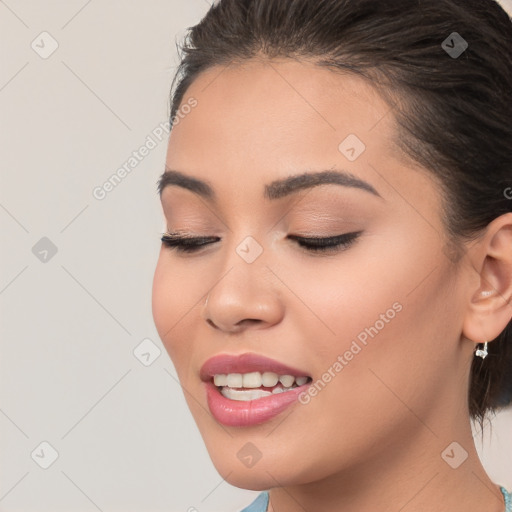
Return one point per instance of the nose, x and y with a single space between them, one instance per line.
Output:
246 297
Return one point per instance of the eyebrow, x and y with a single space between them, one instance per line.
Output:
274 190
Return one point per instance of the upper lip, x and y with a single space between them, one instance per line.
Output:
245 363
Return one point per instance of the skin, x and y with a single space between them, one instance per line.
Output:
372 438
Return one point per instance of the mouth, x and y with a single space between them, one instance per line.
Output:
250 389
254 385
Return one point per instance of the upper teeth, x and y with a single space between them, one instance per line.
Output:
256 380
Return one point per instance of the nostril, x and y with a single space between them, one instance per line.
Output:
235 328
248 321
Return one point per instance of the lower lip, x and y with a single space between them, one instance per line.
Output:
238 413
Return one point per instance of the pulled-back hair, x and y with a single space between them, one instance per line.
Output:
453 112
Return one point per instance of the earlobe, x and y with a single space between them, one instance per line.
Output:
490 307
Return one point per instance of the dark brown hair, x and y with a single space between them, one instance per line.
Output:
453 112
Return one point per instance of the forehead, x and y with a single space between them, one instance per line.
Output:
261 120
272 104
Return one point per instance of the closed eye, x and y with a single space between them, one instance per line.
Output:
187 244
325 244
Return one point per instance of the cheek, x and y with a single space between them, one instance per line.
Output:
405 325
385 308
341 297
174 296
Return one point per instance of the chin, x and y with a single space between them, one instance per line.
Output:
271 471
251 481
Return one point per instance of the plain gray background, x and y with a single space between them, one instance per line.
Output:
76 271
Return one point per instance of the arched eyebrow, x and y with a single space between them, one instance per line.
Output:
275 190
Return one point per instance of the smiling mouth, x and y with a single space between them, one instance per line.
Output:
254 385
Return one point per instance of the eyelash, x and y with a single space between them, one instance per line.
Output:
187 244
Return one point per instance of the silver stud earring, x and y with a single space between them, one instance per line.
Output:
482 352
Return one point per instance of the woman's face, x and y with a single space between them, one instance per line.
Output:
375 324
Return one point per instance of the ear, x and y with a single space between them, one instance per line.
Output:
490 308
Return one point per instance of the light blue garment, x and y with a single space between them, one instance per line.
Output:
508 499
260 504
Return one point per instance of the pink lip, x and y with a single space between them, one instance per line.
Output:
237 413
245 363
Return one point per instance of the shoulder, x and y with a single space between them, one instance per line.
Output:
260 504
